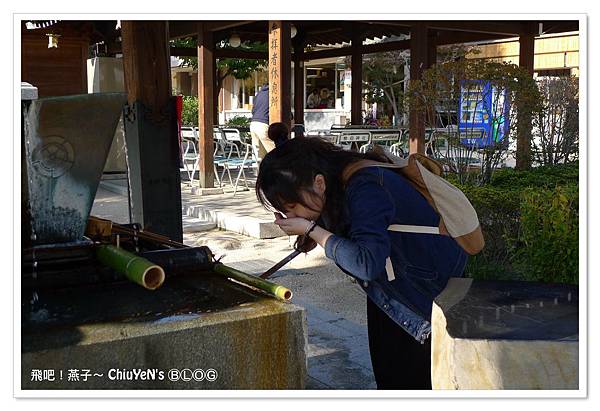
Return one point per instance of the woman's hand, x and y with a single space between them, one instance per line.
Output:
292 226
298 226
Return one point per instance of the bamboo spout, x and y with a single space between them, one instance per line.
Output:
135 268
278 291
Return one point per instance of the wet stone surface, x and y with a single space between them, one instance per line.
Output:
126 302
515 311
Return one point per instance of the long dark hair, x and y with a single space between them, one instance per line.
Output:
291 168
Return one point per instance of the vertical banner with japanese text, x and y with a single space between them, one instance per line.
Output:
279 49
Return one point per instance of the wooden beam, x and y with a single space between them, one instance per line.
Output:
182 28
298 79
221 53
142 46
387 46
527 48
279 72
206 81
366 49
323 54
526 57
356 97
216 91
186 28
446 37
184 51
241 54
418 62
224 25
507 28
431 47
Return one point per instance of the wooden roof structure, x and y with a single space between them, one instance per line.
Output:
314 33
334 32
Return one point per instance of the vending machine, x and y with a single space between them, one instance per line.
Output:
483 118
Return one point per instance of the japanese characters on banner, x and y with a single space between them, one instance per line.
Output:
274 52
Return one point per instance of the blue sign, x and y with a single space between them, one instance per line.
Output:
483 114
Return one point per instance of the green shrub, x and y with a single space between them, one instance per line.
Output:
548 244
546 176
238 121
189 114
530 233
498 212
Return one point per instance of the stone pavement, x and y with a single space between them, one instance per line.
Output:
338 350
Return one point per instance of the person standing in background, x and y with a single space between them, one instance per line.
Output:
260 123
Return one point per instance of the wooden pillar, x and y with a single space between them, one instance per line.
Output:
298 80
206 77
526 57
419 53
216 91
431 47
356 97
279 49
151 128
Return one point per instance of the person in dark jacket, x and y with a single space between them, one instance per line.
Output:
301 180
260 123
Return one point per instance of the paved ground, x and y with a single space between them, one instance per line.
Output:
338 353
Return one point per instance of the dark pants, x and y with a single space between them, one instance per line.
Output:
399 361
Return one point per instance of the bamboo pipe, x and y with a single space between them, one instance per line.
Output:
270 288
147 235
137 269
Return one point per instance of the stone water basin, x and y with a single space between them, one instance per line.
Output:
196 322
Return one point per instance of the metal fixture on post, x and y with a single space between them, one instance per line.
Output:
53 40
234 40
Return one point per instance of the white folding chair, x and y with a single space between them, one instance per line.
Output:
353 139
238 145
189 142
384 138
401 148
220 154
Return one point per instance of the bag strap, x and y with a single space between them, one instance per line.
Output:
420 229
359 165
394 162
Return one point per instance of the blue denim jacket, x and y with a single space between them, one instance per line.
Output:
422 263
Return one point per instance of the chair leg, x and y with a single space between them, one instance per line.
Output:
225 166
237 180
229 174
216 171
193 173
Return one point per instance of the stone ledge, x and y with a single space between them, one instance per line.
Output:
252 341
250 226
505 335
199 191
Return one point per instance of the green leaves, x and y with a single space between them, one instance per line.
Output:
241 69
238 121
189 115
550 235
530 221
